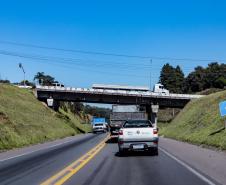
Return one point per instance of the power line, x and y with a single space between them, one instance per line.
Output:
98 71
73 61
69 67
70 61
67 61
107 54
72 50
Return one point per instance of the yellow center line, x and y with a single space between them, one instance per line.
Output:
63 175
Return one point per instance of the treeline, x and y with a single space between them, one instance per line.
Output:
97 111
5 81
44 79
80 108
202 78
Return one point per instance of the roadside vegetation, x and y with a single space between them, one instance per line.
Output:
24 120
85 110
78 121
197 122
200 79
167 115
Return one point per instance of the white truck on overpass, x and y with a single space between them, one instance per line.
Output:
159 88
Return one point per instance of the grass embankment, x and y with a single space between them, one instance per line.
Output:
197 121
77 121
167 114
24 120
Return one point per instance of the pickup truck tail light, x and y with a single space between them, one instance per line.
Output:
155 131
120 132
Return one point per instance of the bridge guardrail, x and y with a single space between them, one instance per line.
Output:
119 92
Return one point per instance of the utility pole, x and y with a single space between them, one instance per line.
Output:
21 66
150 74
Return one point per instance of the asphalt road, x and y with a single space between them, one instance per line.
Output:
38 166
104 168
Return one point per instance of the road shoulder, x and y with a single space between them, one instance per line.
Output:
210 162
18 152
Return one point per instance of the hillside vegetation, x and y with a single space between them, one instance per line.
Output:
24 120
167 114
200 79
197 121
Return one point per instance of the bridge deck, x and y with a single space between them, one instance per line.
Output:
117 92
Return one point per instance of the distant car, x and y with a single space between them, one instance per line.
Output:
99 127
138 135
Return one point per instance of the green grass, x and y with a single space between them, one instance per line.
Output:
24 120
77 121
167 114
197 121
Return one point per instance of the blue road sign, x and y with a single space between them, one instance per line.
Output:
222 106
98 120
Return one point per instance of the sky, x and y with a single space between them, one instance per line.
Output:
158 31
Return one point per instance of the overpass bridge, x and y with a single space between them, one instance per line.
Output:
151 100
108 96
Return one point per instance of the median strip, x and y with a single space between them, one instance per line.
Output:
74 167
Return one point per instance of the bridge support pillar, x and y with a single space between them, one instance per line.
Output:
53 104
152 114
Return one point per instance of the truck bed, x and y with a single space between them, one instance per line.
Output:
123 116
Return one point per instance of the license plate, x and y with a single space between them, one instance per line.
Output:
140 146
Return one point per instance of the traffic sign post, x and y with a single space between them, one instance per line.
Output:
222 106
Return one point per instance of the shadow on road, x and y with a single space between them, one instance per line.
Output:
112 140
135 154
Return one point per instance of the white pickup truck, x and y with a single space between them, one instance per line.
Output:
138 135
99 127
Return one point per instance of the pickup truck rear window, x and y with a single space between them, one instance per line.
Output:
135 124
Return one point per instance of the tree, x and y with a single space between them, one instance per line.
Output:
79 109
5 81
216 75
195 81
213 76
172 78
220 82
179 80
27 83
44 79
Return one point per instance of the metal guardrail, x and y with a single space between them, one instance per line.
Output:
118 92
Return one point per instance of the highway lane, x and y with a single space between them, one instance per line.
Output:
38 166
105 167
109 168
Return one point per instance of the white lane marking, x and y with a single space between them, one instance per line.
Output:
27 153
188 167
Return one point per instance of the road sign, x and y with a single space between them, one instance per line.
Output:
155 108
222 106
98 120
50 102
